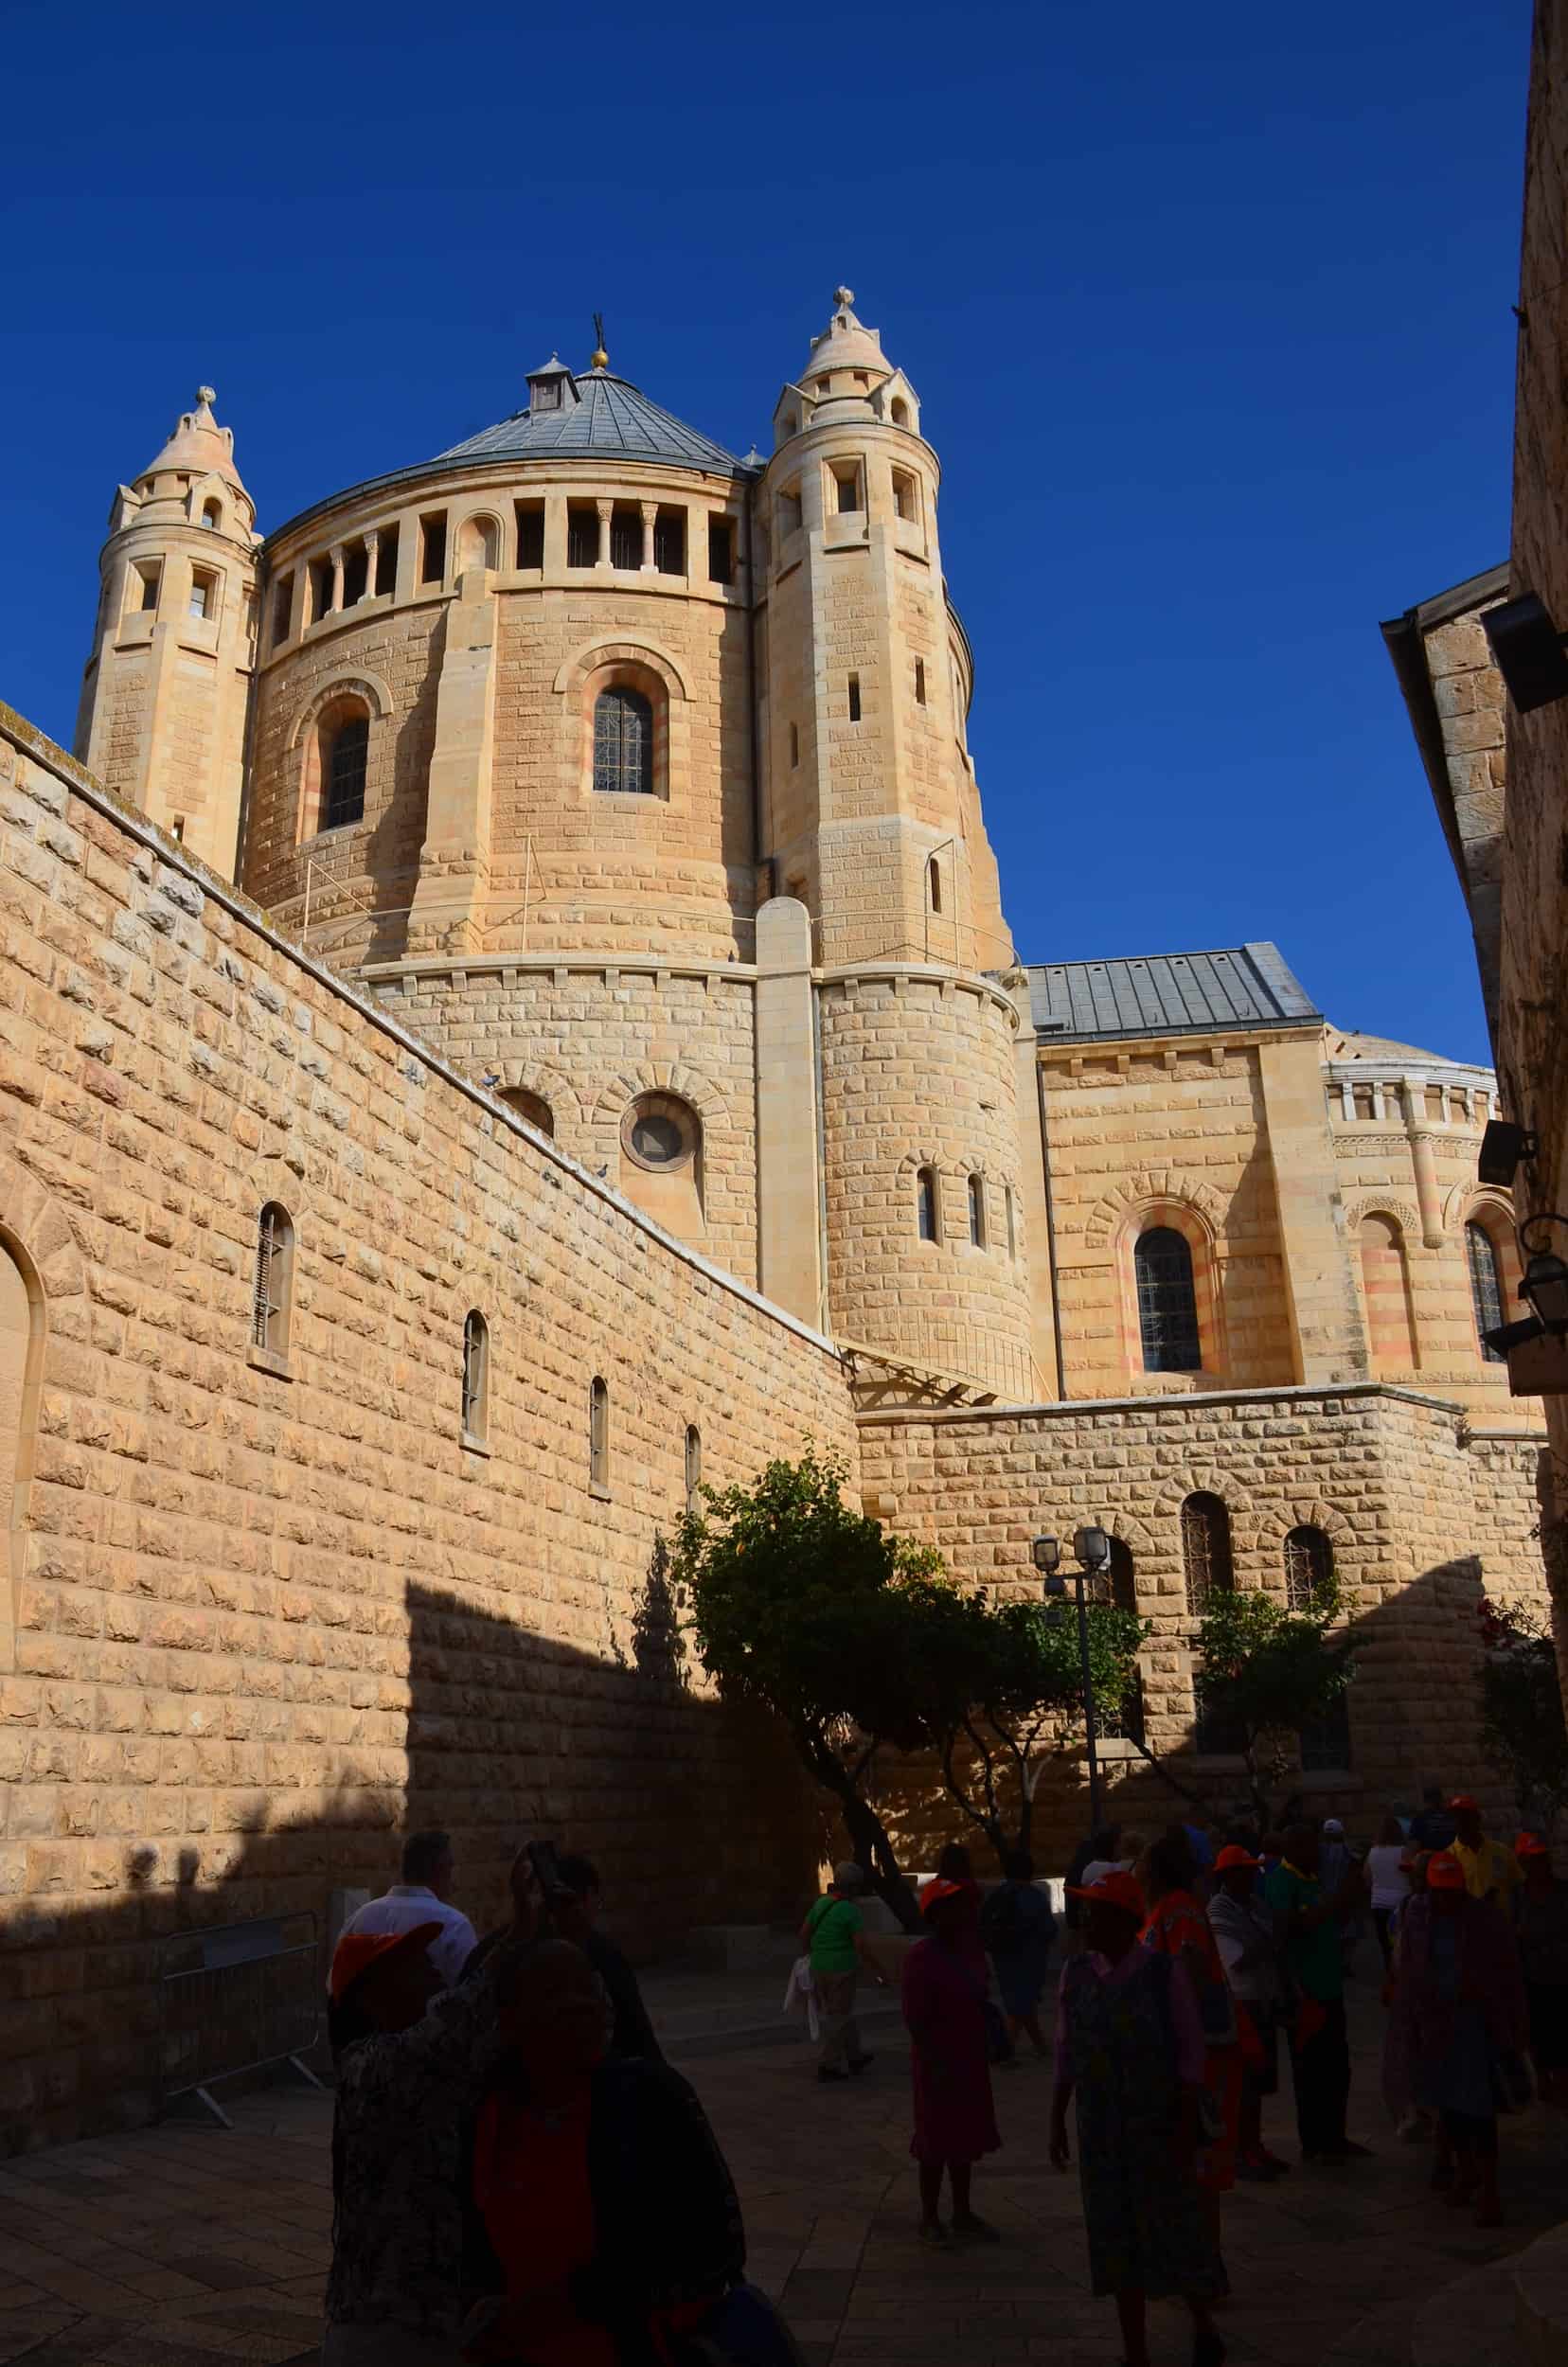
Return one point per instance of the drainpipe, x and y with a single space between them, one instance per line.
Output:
1050 1233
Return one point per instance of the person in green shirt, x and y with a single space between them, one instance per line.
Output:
834 1937
1309 1925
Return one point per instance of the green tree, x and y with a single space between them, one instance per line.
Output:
1262 1673
805 1607
1523 1729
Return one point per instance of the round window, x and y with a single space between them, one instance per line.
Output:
660 1132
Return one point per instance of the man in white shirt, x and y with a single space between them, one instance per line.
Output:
429 1869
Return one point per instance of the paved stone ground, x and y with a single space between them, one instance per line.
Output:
191 2247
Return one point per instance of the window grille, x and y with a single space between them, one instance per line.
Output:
925 1203
626 538
1486 1286
1167 1303
582 538
475 1373
1205 1551
977 1210
670 542
270 1286
347 754
623 741
1308 1566
598 1435
693 1466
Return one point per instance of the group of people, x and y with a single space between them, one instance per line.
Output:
517 2175
1192 1964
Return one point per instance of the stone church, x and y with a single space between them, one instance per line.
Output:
510 1017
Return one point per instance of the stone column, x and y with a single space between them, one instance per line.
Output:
1424 1157
1319 1284
335 602
604 510
372 547
650 518
789 1163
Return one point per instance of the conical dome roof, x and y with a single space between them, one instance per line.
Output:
610 417
199 444
847 343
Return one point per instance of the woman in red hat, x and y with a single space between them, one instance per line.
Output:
944 2006
1460 2001
1541 1927
1130 2053
1176 1926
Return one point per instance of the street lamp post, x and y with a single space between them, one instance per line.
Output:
1092 1551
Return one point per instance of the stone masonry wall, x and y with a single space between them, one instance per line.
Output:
267 1611
1421 1517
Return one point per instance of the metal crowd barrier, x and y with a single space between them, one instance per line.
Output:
236 1998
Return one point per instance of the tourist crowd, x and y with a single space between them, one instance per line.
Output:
520 2178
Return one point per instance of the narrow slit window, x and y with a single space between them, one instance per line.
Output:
282 609
854 698
693 1466
903 493
926 1213
598 1436
720 550
530 534
433 541
919 681
1013 1219
934 885
273 1281
977 1210
794 745
204 593
386 560
475 1376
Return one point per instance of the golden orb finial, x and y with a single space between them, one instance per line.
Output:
599 359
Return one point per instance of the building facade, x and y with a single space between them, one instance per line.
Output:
511 1019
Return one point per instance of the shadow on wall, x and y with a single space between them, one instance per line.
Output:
694 1813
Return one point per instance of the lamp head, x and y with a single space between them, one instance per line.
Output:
1045 1552
1527 651
1545 1283
1092 1550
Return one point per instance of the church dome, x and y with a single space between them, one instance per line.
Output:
591 414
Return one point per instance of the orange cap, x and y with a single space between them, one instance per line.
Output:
1463 1805
1233 1858
1445 1873
1113 1890
1531 1846
939 1888
357 1950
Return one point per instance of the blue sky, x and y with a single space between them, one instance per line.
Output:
1208 311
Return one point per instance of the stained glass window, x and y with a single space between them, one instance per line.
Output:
1167 1303
1486 1286
623 741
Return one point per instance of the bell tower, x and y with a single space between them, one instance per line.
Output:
162 718
873 836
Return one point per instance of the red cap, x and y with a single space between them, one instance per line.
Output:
1233 1858
357 1950
1445 1873
939 1888
1115 1889
1463 1804
1531 1846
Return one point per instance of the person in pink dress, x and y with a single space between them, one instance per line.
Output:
944 2008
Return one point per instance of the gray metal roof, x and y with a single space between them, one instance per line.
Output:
611 419
1165 994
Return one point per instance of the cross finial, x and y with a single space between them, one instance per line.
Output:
599 359
844 297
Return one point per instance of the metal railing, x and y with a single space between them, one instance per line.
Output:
236 1998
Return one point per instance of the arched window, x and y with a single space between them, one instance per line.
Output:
598 1436
1386 1281
1308 1566
272 1291
1124 1588
977 1210
934 885
901 412
623 741
1128 1722
925 1205
212 515
475 1376
531 1106
479 543
1205 1550
1486 1281
693 1466
1167 1302
344 751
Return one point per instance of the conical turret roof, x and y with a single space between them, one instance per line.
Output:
199 444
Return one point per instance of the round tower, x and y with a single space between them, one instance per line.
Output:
872 824
162 720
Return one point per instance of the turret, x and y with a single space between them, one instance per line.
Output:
871 823
162 720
